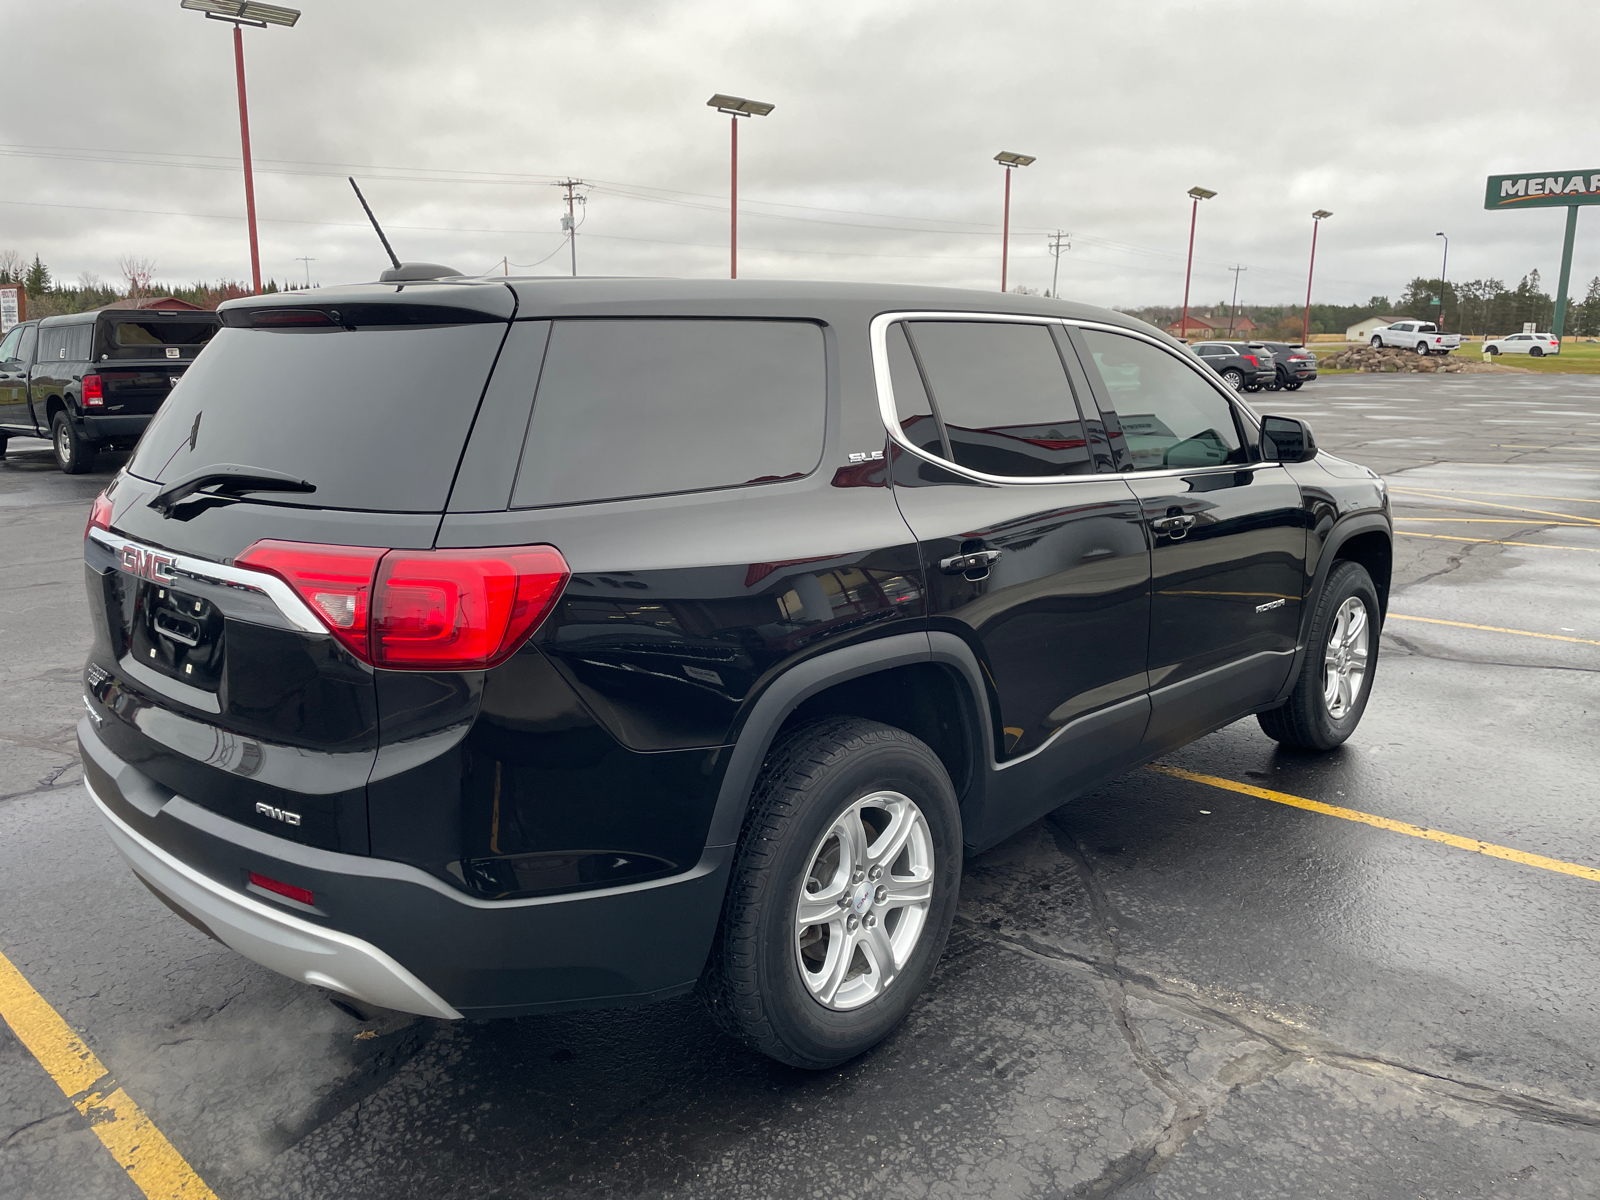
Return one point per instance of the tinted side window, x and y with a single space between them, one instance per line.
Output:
1170 415
30 335
78 338
649 407
8 348
911 403
52 343
1002 394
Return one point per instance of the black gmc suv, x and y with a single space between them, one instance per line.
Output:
479 648
91 381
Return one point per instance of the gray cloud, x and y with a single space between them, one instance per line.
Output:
876 163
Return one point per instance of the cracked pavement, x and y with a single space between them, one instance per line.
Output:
1161 990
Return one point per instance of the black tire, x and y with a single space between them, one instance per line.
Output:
4 438
1233 379
752 981
1295 385
1377 342
1422 349
1304 720
74 455
1493 350
1536 352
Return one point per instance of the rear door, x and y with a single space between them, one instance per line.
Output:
248 707
1228 537
1033 558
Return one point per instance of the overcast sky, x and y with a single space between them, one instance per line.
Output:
121 136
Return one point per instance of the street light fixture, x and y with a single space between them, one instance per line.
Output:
1442 267
1316 219
1197 194
736 107
259 16
1010 162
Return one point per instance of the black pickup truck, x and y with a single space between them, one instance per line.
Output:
92 381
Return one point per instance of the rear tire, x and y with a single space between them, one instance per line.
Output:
1233 379
1536 352
1294 385
74 455
789 974
1321 712
1422 349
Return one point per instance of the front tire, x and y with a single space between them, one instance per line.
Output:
1341 659
842 894
1377 342
74 455
1493 350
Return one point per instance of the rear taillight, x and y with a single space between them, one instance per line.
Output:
94 393
440 610
1249 358
99 515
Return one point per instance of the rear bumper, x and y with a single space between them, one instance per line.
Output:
101 429
395 936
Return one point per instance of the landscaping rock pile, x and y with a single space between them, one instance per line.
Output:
1386 359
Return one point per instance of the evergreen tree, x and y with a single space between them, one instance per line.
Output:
37 280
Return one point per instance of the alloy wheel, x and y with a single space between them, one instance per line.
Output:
1345 658
63 443
864 903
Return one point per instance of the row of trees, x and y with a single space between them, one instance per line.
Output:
47 297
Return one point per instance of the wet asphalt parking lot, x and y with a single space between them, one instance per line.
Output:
1169 988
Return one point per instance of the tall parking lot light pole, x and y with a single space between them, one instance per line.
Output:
736 107
1010 162
1442 266
1316 219
240 13
1197 194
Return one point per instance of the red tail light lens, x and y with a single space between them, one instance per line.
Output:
434 610
94 393
1249 358
99 514
461 609
336 581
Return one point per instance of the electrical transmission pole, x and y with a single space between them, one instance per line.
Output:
1058 243
570 221
308 261
1235 309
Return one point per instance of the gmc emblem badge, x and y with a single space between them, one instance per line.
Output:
147 564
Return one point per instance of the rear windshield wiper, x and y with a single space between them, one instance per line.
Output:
226 479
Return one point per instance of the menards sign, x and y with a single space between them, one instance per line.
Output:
1543 190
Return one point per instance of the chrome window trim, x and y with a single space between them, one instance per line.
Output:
294 610
879 333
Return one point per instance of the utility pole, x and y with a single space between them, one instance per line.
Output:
1234 311
1058 243
308 261
569 223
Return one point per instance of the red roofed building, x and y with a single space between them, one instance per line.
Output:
163 302
1210 327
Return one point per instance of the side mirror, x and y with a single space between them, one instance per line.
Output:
1287 439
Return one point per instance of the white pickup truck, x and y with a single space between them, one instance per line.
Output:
1422 336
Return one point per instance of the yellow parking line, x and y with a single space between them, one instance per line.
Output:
1502 495
1488 504
1445 537
1554 637
1494 521
1417 831
154 1166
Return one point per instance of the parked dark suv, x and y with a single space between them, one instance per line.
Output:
91 381
483 648
1244 368
1296 365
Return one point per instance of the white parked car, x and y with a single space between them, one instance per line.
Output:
1536 344
1422 336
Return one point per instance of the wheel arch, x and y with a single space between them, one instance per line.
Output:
900 680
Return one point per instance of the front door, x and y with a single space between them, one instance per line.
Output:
1228 539
17 353
1035 561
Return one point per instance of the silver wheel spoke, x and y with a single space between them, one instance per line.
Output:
893 839
815 909
907 891
880 951
837 968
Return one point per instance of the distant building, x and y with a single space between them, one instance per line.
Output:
1210 327
1362 330
163 302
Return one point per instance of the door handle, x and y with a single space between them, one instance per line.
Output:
1175 527
960 564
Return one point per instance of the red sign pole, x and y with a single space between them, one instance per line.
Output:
249 177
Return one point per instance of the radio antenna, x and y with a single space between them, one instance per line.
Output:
388 249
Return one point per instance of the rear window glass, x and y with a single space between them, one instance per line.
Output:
649 407
136 335
374 418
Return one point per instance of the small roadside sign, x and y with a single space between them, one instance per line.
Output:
13 307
